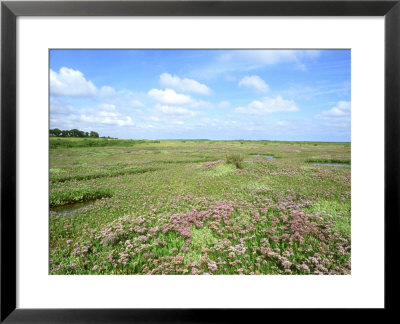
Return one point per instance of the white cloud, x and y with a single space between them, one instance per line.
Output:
199 104
70 82
124 99
66 116
267 106
107 118
108 114
106 91
342 109
169 96
59 107
172 110
184 85
166 115
338 117
103 114
254 82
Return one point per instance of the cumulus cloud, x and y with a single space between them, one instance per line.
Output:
254 82
66 116
176 111
70 82
342 109
166 115
108 114
107 118
169 96
267 106
124 99
60 107
106 91
184 85
338 117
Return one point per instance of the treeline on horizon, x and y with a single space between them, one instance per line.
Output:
72 133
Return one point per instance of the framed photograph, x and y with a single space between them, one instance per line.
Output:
163 158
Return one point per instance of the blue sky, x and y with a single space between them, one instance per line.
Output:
299 95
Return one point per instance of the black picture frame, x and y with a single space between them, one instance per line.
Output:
10 10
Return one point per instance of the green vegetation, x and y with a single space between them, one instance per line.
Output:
198 206
96 175
337 209
235 159
72 196
70 142
331 160
72 133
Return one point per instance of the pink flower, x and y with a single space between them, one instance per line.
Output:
212 266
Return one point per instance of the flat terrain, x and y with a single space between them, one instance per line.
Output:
178 207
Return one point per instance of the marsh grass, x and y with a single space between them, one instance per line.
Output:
326 160
339 210
56 142
236 159
72 196
116 173
223 169
210 159
195 217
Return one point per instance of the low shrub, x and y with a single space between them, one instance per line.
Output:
235 159
73 196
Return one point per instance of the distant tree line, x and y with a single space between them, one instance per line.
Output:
72 133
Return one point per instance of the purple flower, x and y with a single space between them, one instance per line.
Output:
212 266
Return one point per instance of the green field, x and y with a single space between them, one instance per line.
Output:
178 207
